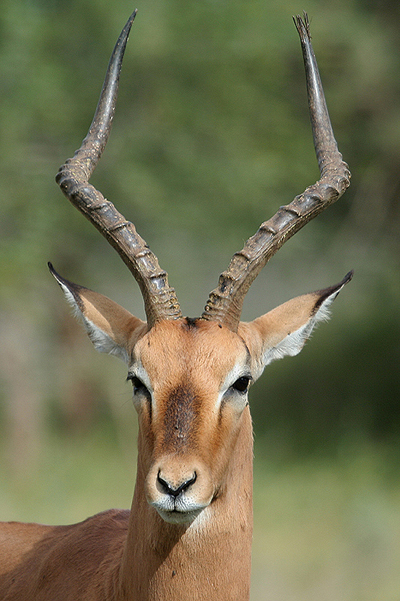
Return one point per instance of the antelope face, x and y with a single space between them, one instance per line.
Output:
190 382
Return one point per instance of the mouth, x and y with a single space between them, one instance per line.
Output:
178 517
179 510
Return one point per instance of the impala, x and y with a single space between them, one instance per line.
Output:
188 534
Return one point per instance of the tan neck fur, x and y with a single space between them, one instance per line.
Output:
210 559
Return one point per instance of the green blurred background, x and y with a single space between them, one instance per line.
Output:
211 136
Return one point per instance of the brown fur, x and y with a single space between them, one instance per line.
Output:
193 426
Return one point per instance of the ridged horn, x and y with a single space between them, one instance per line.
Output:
160 300
225 302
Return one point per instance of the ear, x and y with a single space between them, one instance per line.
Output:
111 328
284 330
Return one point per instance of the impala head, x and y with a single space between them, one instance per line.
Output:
191 377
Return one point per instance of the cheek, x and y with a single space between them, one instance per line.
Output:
146 438
219 438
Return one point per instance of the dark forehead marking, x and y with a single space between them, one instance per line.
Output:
180 417
191 322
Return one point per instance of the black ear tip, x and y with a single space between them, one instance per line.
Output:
348 277
56 275
53 271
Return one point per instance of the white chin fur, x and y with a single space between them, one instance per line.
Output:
179 517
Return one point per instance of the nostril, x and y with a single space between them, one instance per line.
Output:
164 484
172 489
188 483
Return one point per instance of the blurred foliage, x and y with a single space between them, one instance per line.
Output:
328 530
211 135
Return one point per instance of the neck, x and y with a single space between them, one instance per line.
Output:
208 559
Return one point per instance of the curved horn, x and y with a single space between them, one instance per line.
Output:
73 177
225 302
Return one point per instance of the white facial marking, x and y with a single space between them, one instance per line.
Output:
139 371
239 370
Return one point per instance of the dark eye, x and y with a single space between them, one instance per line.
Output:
138 386
241 384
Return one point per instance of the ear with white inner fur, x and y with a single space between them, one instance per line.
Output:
110 327
284 330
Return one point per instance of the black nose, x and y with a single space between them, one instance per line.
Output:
170 489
